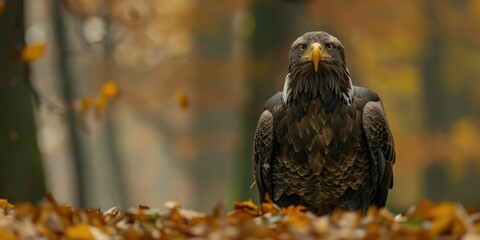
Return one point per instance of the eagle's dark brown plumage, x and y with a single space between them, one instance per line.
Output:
322 142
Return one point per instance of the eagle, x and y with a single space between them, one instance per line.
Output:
323 143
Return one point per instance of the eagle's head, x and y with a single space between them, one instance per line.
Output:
316 62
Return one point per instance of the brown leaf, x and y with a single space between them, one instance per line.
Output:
143 207
424 209
26 211
131 233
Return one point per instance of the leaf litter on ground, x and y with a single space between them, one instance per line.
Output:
51 220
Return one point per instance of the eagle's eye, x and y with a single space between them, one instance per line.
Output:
329 46
302 47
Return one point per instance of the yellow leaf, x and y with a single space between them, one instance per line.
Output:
182 100
4 204
79 232
109 89
6 234
33 51
442 218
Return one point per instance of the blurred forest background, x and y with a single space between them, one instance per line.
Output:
140 102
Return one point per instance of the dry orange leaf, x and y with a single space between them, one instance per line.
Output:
424 209
4 204
247 206
269 207
6 234
109 89
295 215
33 52
79 232
445 219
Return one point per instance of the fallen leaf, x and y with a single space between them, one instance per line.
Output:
442 216
26 210
5 204
268 207
424 209
33 52
295 215
247 206
131 233
52 220
6 234
79 232
143 207
47 232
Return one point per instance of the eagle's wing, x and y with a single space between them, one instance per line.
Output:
263 145
380 141
262 151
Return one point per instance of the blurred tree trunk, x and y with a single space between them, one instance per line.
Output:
114 159
68 86
275 23
443 106
21 172
435 92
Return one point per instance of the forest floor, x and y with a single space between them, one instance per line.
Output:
51 220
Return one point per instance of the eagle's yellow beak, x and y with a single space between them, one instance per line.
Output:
316 51
316 54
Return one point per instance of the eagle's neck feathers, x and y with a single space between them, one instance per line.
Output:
287 90
318 84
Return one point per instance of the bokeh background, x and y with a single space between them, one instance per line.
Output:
193 76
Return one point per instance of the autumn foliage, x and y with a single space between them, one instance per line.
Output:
51 220
183 84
